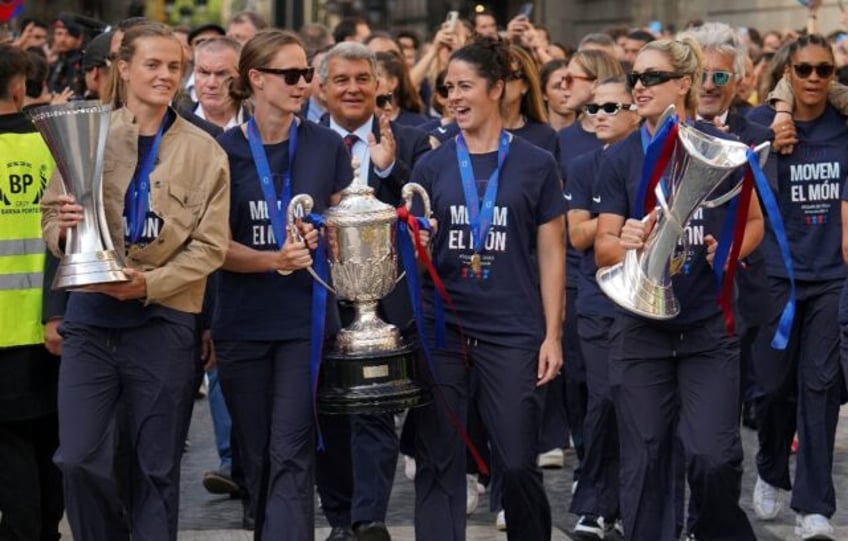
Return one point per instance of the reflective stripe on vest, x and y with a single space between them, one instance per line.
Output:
23 280
21 246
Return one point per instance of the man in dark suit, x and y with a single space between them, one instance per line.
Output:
724 69
356 472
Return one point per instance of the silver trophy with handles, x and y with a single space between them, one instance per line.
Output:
76 135
371 367
641 283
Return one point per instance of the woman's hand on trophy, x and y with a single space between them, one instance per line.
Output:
424 235
634 232
308 233
70 213
294 256
712 245
135 288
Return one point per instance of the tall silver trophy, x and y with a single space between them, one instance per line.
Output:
371 367
76 135
641 283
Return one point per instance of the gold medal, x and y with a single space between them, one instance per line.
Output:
475 264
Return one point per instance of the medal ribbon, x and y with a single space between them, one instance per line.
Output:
407 223
784 327
139 193
319 317
277 207
480 219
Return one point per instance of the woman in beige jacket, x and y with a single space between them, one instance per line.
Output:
166 199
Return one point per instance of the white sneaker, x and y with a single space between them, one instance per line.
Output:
500 522
588 525
619 527
409 467
472 498
766 500
553 459
813 527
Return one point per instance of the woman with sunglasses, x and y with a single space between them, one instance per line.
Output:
262 320
596 500
165 196
399 98
505 273
803 384
677 378
551 79
523 106
443 128
584 69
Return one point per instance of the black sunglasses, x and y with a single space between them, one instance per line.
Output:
719 77
804 70
442 91
651 78
291 75
608 108
515 75
383 100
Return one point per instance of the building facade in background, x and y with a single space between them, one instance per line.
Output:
567 20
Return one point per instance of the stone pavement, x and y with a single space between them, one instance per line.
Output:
212 518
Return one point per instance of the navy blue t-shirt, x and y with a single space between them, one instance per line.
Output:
269 306
540 134
504 304
591 301
809 184
408 118
441 133
101 310
573 142
694 286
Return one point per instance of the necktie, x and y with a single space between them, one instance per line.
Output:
350 140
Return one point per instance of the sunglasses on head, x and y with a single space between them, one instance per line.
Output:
569 79
718 77
608 108
291 75
383 100
442 91
804 70
651 78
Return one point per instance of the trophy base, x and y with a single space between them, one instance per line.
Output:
370 383
637 294
80 270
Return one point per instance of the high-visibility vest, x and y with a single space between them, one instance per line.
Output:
25 168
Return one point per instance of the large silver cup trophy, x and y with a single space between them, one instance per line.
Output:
76 134
641 283
371 367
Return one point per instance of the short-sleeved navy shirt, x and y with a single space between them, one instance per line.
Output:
504 304
591 301
809 184
269 306
573 142
540 134
101 310
694 286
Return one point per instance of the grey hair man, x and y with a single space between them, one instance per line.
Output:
215 65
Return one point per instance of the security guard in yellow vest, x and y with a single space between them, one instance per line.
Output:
30 484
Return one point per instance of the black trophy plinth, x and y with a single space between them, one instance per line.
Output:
370 383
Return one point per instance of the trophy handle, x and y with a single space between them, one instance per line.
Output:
408 193
305 203
762 151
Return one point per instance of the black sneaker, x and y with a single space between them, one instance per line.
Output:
590 527
219 482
